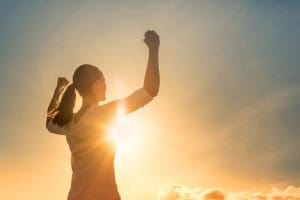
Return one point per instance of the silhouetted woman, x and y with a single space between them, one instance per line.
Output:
86 131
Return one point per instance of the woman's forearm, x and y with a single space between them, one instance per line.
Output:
54 102
53 105
55 98
152 77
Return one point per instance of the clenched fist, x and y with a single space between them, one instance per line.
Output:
151 39
62 82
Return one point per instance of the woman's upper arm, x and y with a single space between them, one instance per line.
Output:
111 110
136 100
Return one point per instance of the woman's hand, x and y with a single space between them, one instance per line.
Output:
62 82
151 39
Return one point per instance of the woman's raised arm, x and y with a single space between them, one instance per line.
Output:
144 95
152 78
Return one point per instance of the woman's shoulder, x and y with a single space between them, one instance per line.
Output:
100 114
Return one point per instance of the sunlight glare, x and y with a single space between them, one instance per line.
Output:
124 133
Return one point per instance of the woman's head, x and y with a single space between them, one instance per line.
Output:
89 81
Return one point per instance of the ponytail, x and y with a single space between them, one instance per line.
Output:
65 108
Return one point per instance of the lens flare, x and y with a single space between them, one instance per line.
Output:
124 132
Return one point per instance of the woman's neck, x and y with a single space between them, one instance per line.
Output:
88 102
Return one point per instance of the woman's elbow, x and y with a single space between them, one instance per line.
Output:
154 92
49 127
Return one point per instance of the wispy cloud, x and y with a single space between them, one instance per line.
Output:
180 192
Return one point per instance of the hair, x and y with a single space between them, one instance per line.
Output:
83 78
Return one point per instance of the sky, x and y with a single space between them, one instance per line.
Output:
227 116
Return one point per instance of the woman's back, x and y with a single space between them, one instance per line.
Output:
92 157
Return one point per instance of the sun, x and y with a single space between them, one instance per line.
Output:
124 133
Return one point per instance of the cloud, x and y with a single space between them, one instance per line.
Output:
180 192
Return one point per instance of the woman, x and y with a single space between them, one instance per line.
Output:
87 132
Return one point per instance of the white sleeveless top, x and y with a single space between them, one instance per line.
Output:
92 152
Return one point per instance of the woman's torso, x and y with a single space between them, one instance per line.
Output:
92 159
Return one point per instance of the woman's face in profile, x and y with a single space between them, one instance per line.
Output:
99 89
